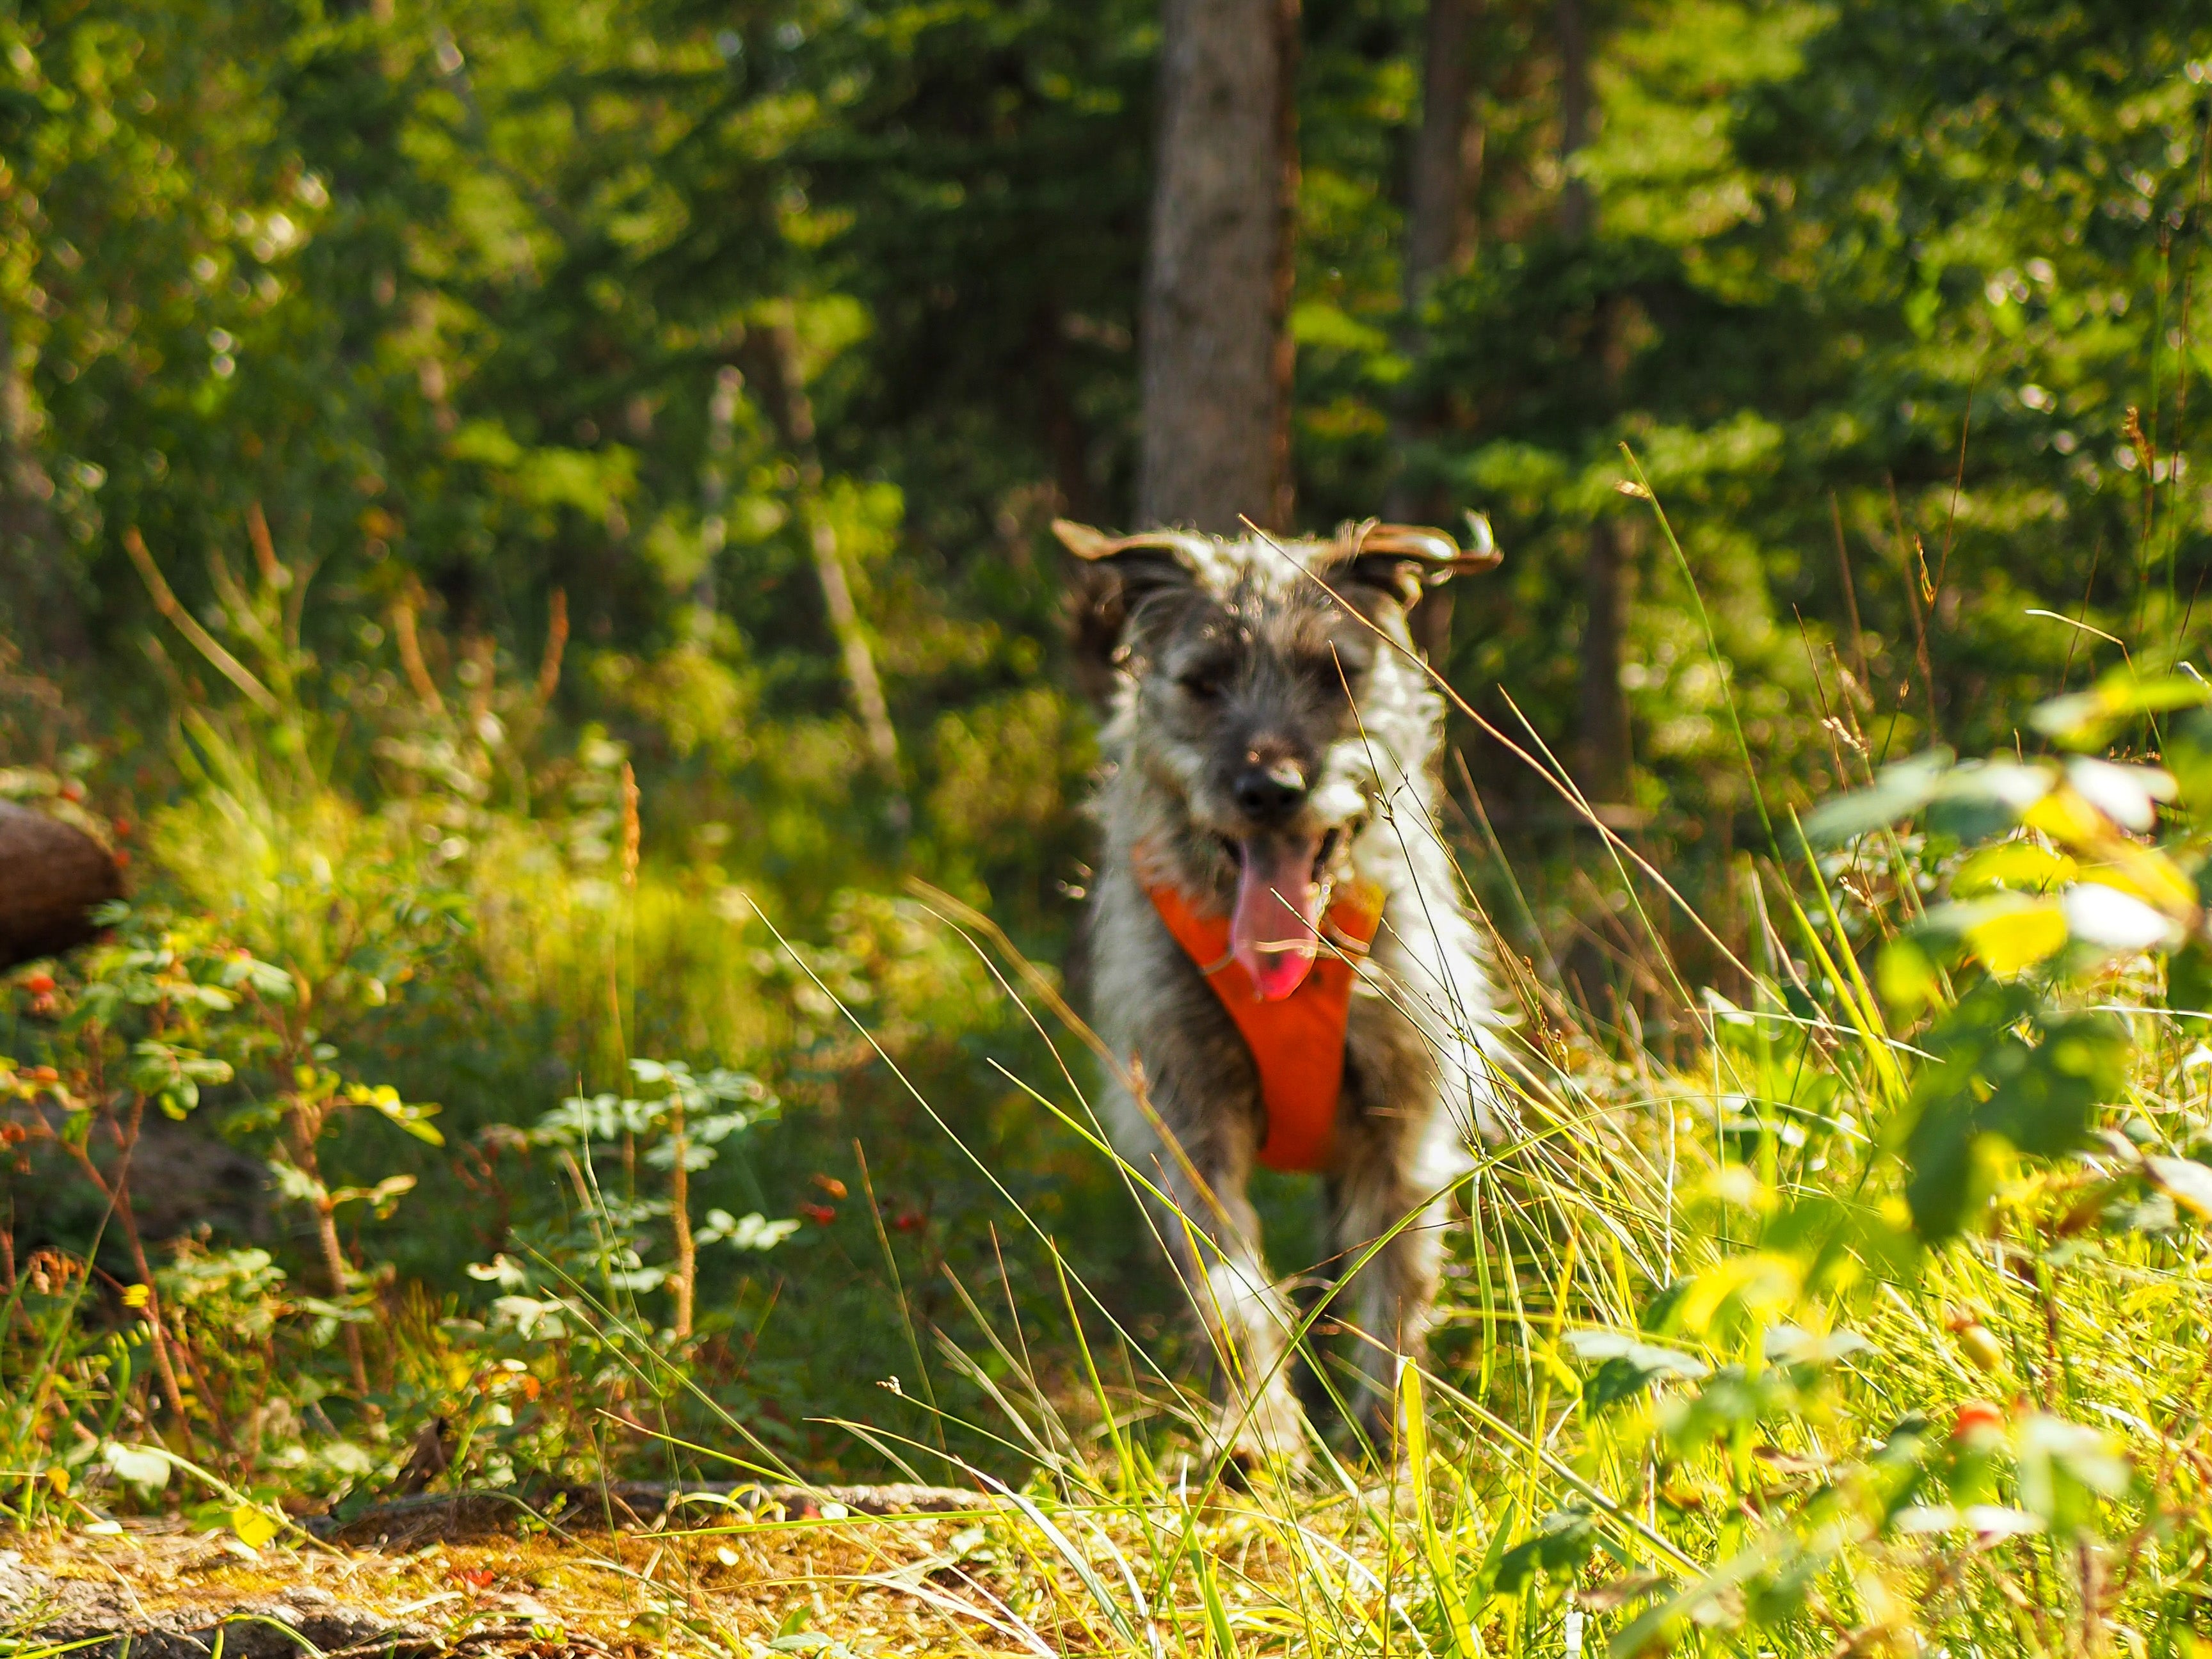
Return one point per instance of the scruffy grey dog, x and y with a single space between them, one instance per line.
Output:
1271 767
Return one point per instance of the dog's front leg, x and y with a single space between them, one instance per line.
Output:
1393 1285
1213 1234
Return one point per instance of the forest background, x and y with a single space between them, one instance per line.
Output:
617 442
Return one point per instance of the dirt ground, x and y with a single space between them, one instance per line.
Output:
810 1573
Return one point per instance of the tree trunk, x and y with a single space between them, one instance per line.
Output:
1444 152
1066 439
715 496
793 411
52 875
1436 205
1603 745
1215 354
41 604
1577 212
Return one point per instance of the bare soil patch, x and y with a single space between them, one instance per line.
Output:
885 1570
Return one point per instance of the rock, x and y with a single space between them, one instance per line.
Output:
182 1181
105 1622
51 876
406 1522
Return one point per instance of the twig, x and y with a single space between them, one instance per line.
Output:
410 657
1958 483
264 548
556 642
1851 590
1913 603
185 624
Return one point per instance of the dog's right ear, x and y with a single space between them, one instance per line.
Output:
1113 576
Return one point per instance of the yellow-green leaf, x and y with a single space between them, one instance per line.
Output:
2021 866
2013 941
2183 1180
1905 976
254 1526
1414 1415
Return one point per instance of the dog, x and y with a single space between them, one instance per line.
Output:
1279 957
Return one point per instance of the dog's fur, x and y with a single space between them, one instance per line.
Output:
1213 658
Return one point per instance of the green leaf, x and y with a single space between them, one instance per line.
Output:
2116 921
295 1183
1900 790
2021 866
752 1232
2129 795
2064 1468
1627 1365
2088 719
381 1198
1905 975
2188 756
1561 1543
2038 1093
2189 979
1983 799
1787 1345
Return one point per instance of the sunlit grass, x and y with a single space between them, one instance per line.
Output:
1700 1379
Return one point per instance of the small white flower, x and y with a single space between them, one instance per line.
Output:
1996 1521
2129 795
1921 1519
2104 915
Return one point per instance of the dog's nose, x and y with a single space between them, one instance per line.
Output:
1270 793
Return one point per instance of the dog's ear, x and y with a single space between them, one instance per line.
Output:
1113 576
1411 564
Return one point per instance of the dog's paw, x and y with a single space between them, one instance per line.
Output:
1262 1439
1381 1442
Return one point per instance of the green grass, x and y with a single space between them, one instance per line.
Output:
1863 1308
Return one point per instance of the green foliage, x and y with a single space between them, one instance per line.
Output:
2055 882
742 1102
451 297
1735 1315
2000 1071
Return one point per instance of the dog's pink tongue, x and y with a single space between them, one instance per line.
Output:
1272 931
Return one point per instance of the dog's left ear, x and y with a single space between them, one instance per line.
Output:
1412 563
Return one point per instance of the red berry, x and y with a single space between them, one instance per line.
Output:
72 790
1975 1416
820 1214
909 1222
40 985
122 827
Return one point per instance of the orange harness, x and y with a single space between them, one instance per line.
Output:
1297 1043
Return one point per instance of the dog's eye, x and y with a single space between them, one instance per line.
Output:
1200 687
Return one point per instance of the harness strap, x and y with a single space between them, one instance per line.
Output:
1297 1043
